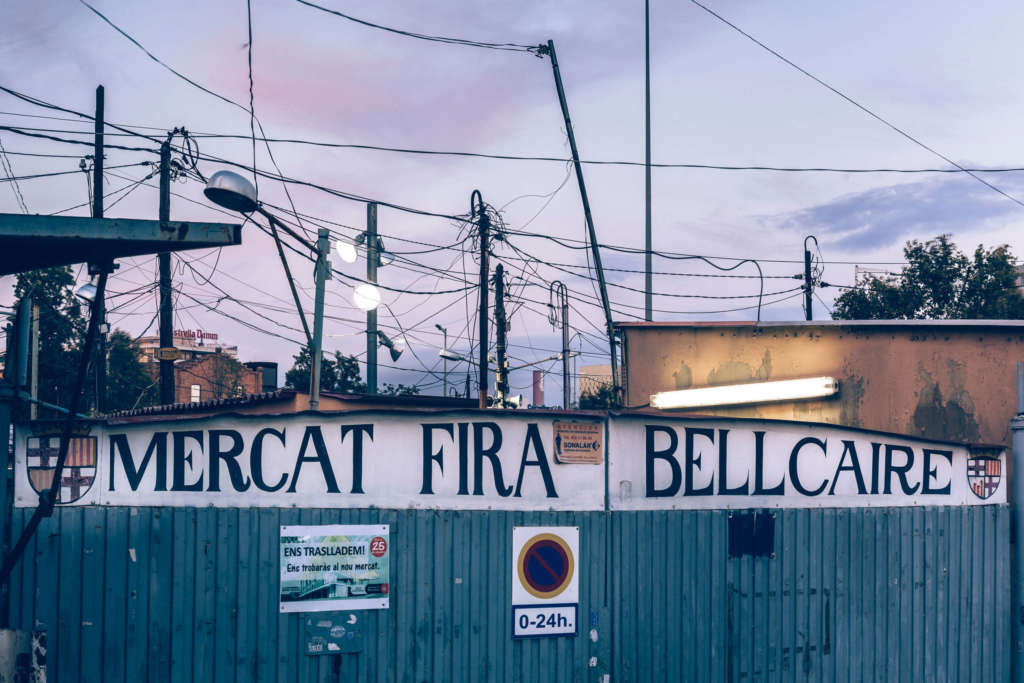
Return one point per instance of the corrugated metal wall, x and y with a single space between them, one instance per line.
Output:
190 594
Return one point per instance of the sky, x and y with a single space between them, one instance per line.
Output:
943 72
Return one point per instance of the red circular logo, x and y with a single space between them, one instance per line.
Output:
378 546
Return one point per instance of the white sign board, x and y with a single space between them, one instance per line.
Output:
335 567
709 464
470 461
545 581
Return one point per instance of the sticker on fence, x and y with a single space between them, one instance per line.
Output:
335 567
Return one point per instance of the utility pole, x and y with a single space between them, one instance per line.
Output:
501 327
648 246
596 252
808 282
371 316
561 294
97 212
164 257
478 209
444 345
323 269
33 410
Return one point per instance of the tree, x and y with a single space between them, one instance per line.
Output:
939 282
128 384
340 375
601 399
399 390
61 330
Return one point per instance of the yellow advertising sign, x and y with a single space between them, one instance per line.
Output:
579 443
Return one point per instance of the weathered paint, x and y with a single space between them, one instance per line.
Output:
949 380
190 594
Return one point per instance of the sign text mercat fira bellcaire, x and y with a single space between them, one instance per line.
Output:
465 462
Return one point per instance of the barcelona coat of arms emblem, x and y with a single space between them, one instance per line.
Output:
79 467
984 474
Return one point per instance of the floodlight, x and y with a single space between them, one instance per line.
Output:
366 297
739 394
346 251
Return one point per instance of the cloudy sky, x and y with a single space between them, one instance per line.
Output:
946 73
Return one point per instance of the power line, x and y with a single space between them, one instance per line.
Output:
513 47
855 103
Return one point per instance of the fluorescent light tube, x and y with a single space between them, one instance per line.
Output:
740 394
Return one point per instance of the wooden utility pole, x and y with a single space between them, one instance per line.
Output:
501 329
648 278
97 212
164 257
371 316
323 271
478 209
808 280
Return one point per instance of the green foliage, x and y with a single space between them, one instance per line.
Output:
939 282
61 331
602 399
340 375
129 385
399 390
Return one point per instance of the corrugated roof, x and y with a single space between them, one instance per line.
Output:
201 406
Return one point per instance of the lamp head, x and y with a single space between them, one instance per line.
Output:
232 191
86 292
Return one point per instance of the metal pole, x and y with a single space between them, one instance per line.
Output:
444 345
589 218
1017 536
566 380
287 271
807 285
97 212
33 411
371 316
500 326
323 248
166 314
484 223
648 279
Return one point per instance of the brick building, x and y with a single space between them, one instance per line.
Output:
211 377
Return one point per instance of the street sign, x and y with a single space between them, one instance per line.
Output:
545 581
168 353
579 443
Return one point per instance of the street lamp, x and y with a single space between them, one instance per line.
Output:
444 348
235 193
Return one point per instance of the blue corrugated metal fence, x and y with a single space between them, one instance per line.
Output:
190 594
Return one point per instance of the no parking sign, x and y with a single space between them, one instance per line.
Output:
545 581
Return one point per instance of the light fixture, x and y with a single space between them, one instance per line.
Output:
741 394
232 191
384 257
366 297
86 292
396 347
346 251
448 354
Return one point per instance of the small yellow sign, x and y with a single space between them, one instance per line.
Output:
579 443
168 353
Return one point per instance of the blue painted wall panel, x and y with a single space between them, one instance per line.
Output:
163 594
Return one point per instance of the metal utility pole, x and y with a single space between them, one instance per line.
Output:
97 212
501 329
596 252
444 345
808 282
33 410
561 294
164 257
323 269
648 246
371 316
478 209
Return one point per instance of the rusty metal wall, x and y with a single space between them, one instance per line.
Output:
187 594
945 380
